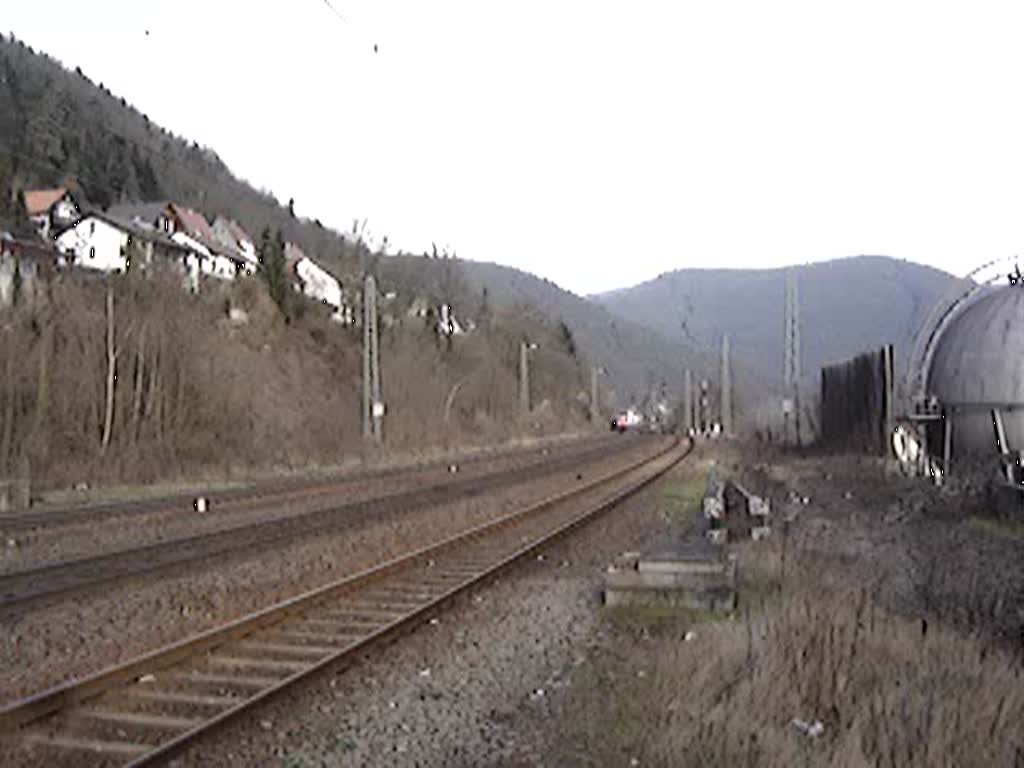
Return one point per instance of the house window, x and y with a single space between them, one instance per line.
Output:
92 253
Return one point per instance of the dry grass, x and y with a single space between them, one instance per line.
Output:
195 396
679 499
1012 529
889 691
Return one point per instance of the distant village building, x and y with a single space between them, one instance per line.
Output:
231 235
447 323
51 210
189 229
106 243
313 280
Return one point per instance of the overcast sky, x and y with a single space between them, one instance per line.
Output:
597 144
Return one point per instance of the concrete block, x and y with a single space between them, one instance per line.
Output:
758 507
714 508
681 566
718 536
714 600
713 504
655 580
626 561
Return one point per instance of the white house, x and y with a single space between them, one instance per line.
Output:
189 229
318 284
95 243
205 260
101 242
314 281
230 234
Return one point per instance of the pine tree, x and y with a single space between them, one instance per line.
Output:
273 268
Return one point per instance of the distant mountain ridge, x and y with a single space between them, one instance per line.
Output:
846 306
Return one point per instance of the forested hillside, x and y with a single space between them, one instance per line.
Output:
59 127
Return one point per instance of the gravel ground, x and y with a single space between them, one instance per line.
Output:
78 636
477 688
43 545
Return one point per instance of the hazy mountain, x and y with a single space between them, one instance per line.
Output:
846 306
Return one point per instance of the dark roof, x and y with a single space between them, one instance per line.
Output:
144 212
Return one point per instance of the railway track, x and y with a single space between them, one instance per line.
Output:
25 589
149 709
278 492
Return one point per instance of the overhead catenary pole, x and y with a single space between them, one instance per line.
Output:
791 360
367 394
593 395
524 377
797 372
373 406
726 388
688 401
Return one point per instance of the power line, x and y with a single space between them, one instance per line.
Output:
335 11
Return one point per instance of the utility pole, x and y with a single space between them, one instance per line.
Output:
702 418
726 388
373 407
791 359
593 395
687 400
524 377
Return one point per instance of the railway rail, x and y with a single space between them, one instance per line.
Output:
275 492
25 589
149 709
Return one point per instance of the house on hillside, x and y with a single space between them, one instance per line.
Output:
189 229
231 235
109 244
51 210
313 280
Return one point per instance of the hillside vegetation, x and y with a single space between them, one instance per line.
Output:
128 380
58 127
846 306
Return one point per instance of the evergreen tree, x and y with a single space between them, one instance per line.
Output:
272 266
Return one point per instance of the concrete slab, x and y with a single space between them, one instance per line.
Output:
694 580
710 600
681 565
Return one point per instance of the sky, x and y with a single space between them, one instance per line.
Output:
596 144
